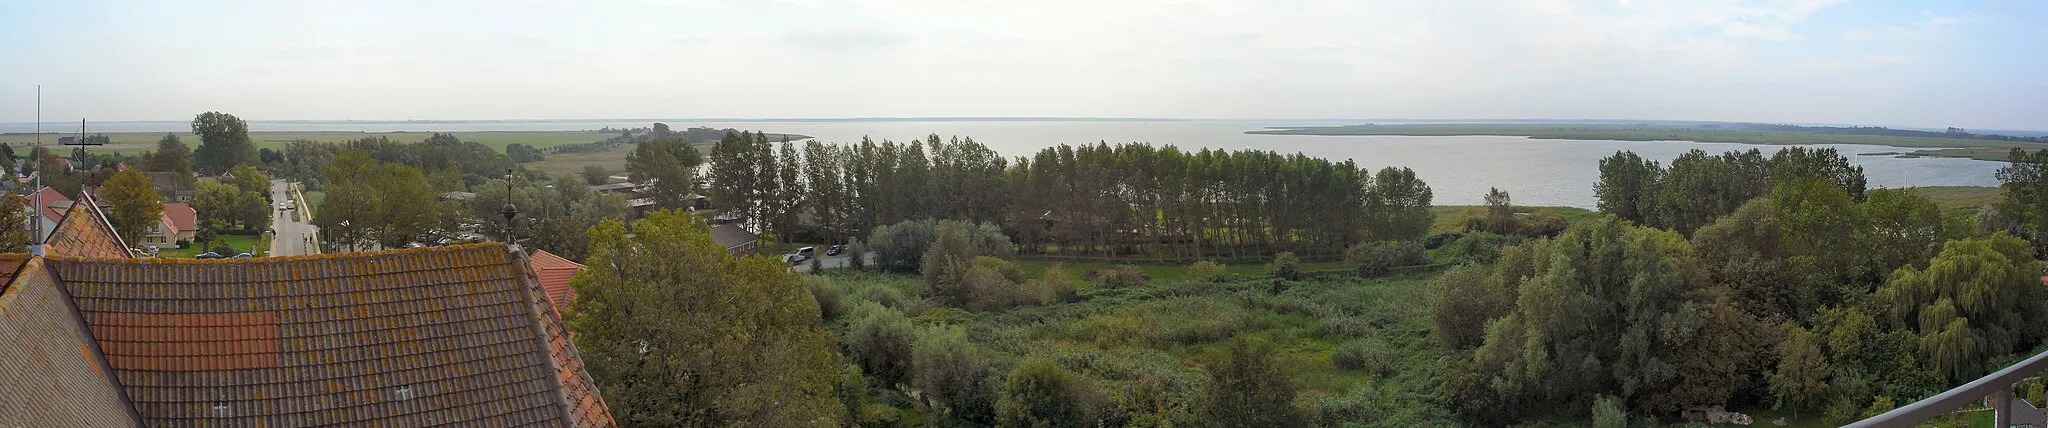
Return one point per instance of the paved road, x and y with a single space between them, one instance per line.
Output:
295 234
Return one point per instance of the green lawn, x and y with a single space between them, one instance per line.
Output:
242 243
1451 218
314 198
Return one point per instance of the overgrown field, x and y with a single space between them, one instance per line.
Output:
1355 349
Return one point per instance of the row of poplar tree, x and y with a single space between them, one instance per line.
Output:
1100 199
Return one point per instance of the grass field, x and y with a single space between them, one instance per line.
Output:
1977 149
1451 218
1961 198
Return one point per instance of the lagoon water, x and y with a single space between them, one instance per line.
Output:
1459 169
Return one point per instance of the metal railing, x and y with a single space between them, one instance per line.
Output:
1997 386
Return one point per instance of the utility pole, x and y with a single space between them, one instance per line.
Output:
36 208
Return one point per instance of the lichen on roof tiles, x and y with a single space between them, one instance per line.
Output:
459 334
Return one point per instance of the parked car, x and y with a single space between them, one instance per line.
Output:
243 256
208 255
800 255
834 250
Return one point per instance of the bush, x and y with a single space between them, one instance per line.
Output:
901 247
222 248
1053 286
1542 224
1040 393
880 339
1377 258
1121 277
1475 247
1247 389
953 374
1207 271
1372 356
830 296
1285 266
1608 412
1461 302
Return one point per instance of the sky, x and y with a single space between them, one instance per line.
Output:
1974 64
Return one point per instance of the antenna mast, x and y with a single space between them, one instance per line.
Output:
35 219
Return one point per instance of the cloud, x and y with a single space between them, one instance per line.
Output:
1927 27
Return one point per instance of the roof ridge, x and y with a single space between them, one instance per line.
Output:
275 259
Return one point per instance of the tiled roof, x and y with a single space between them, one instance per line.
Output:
182 216
554 273
732 235
401 338
49 368
51 197
84 232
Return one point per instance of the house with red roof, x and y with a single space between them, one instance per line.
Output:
457 335
554 273
180 224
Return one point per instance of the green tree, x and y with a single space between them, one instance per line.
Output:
215 203
1976 300
1397 204
15 210
668 169
2025 185
1900 228
1628 186
595 174
352 210
223 143
1041 394
1247 389
1285 266
677 332
407 203
173 156
1800 380
947 264
251 179
136 207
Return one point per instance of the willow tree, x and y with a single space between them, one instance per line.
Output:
677 332
1977 300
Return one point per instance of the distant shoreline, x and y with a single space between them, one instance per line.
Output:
1650 131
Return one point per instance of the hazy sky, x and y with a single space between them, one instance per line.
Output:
1979 64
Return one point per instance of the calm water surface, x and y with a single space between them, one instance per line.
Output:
1459 169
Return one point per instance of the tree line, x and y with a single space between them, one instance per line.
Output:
1101 199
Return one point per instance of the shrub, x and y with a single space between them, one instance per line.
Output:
1542 224
1207 271
1337 410
953 374
1377 258
1121 277
1368 355
1461 302
901 247
1608 412
1285 266
1053 286
222 248
1040 393
1248 390
1475 247
880 339
829 296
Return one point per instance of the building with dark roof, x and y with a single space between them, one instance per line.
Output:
737 240
443 335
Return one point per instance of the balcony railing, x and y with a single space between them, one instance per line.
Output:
1996 386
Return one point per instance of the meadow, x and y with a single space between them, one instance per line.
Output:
135 142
